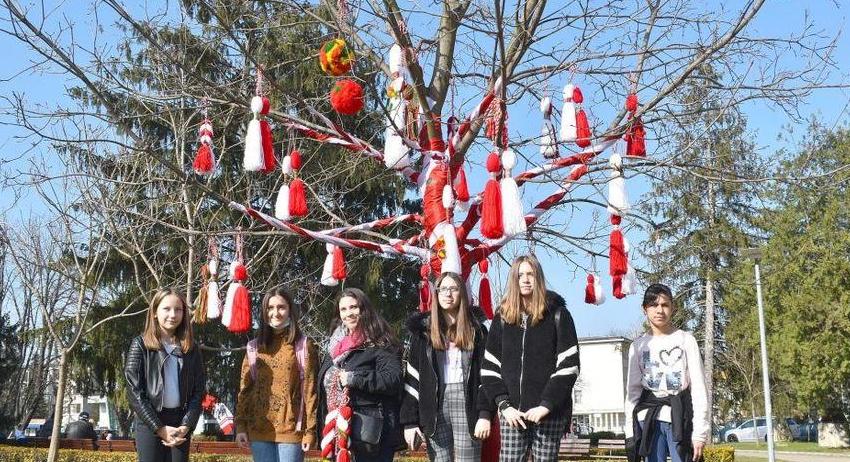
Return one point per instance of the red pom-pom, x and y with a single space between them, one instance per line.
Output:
483 265
461 187
295 159
267 106
269 160
240 273
589 293
241 320
631 102
617 254
297 198
485 298
578 97
494 164
340 271
203 164
582 129
616 219
491 211
617 287
347 97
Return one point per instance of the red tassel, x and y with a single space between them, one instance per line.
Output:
617 254
589 294
203 164
240 273
424 289
461 188
617 287
635 139
297 198
485 298
582 129
631 102
491 211
240 323
267 105
339 269
269 161
295 160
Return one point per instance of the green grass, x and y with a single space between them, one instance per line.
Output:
795 446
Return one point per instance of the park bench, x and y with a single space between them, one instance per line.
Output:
611 449
574 448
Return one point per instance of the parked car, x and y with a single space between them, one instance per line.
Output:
719 434
802 431
749 430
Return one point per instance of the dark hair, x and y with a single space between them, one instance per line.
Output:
372 325
653 292
264 337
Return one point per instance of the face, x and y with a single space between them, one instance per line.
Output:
349 312
527 279
448 294
278 312
169 314
660 312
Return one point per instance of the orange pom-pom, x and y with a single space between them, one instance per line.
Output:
335 57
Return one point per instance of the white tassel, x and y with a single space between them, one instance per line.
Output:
513 217
256 105
396 60
548 142
448 197
286 165
253 159
630 281
213 300
568 116
451 263
281 205
395 151
618 200
328 268
227 313
598 293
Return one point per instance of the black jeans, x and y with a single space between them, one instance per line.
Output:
149 447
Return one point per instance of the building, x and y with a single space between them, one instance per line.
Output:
600 392
100 409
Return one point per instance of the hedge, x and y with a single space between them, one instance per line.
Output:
21 454
719 454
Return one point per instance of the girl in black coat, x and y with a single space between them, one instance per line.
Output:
531 365
442 396
362 372
165 380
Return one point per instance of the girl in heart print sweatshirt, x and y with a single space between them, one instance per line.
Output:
665 362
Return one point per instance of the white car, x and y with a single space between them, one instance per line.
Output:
749 430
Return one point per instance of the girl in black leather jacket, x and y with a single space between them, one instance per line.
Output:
362 367
165 380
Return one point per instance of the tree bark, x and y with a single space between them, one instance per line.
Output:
53 450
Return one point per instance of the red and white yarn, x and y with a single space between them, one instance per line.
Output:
548 139
213 299
204 163
334 269
568 116
513 217
395 148
593 293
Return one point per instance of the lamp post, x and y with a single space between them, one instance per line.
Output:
755 254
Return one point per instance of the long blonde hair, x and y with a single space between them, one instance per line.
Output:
152 334
511 306
460 331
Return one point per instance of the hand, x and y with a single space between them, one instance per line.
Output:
242 440
170 436
184 430
536 414
343 378
410 437
482 429
305 447
514 417
698 447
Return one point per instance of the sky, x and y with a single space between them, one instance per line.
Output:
766 123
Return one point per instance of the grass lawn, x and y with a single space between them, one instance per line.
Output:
796 446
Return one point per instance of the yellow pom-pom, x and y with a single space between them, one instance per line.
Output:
336 57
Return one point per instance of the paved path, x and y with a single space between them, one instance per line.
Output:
797 456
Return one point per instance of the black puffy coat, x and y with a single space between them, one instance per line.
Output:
422 399
143 371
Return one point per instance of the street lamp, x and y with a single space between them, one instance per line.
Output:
755 254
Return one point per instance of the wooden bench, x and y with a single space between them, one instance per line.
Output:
613 449
573 448
117 445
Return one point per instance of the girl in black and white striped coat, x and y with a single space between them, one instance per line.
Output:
531 364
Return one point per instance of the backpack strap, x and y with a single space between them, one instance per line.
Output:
301 357
251 352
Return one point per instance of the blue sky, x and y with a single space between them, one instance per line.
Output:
766 123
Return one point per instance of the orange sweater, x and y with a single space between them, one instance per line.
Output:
267 409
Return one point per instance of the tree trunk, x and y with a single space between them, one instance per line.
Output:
708 354
53 451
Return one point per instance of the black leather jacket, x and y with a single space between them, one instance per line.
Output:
143 371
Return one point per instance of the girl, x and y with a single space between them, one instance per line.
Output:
442 381
666 401
363 367
277 403
165 380
531 364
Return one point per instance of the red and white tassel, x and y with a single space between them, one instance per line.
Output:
491 206
204 163
513 217
583 133
328 443
213 299
618 199
237 309
343 434
328 278
568 116
485 297
548 140
593 293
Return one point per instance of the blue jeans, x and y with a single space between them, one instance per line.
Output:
663 444
269 451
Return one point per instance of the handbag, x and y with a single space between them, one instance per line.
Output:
366 428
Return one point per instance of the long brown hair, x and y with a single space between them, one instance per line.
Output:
153 334
266 332
460 331
372 325
512 303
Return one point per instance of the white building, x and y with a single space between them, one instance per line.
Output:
101 411
600 391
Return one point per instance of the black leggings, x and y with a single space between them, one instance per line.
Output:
149 447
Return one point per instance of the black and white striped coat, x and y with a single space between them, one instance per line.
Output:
536 365
423 376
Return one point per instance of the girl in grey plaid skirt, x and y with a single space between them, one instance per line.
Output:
443 403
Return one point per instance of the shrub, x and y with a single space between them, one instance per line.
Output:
606 435
719 454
